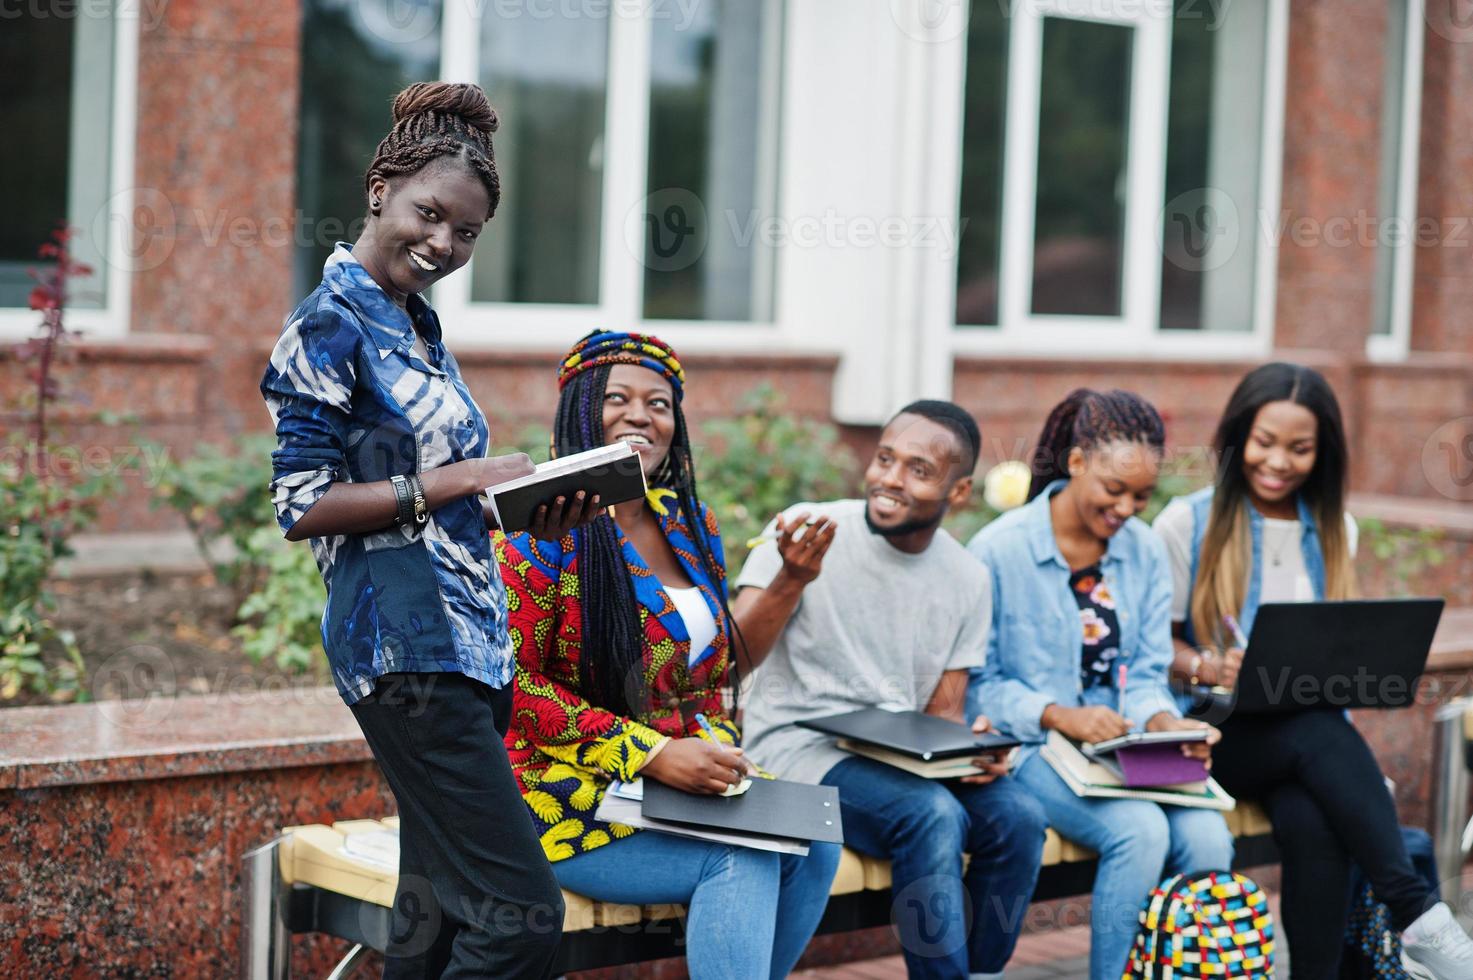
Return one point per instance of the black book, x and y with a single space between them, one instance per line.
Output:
910 733
612 472
771 808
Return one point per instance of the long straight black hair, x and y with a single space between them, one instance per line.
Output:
1226 552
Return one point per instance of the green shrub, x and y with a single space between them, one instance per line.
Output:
222 492
281 620
762 461
38 516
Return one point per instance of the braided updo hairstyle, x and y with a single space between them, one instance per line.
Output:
440 120
611 671
1086 419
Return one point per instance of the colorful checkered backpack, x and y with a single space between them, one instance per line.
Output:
1207 924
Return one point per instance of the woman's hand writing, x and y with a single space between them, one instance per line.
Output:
697 766
1092 724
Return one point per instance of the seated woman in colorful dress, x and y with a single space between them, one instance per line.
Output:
623 638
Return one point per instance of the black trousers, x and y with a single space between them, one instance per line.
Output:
476 896
1330 809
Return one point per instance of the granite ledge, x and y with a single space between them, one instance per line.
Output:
157 738
162 737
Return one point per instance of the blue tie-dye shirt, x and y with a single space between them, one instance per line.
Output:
352 401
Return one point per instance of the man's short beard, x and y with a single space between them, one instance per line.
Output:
901 530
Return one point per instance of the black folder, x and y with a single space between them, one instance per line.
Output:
911 733
771 807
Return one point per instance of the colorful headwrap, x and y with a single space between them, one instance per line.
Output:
603 347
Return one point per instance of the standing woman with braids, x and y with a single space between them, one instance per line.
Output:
380 461
1082 586
623 639
1274 529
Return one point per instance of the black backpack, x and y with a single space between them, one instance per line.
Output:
1372 947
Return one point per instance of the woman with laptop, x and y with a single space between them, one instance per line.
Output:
623 641
1274 529
1080 644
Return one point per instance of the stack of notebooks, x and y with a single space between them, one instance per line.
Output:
1141 765
769 815
912 740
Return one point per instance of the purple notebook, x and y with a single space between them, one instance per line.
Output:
1161 764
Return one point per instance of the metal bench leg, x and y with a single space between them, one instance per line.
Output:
265 941
1450 824
346 964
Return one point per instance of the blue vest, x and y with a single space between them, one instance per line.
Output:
1309 544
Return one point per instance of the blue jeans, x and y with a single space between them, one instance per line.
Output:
1138 843
749 913
950 925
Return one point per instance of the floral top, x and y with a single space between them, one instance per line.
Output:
1101 626
352 401
565 750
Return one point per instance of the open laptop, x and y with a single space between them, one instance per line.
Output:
1358 653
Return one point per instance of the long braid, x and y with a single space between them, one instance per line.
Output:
679 473
440 119
1086 419
611 670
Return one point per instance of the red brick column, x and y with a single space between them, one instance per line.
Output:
1331 164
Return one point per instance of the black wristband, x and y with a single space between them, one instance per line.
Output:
403 500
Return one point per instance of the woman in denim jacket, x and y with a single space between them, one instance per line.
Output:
1082 587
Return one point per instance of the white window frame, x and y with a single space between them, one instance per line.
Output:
540 326
1396 343
111 320
1136 333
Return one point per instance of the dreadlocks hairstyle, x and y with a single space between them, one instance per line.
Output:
1086 419
437 120
1227 550
612 666
955 418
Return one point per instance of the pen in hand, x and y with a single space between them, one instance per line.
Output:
711 734
1121 692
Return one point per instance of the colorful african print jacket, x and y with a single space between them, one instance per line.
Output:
564 750
352 401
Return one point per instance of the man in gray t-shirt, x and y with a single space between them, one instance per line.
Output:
872 605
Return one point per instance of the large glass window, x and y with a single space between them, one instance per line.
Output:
1122 184
979 244
1083 119
712 135
548 79
356 55
58 94
1214 141
1397 228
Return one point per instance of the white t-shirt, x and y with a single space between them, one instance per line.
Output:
1285 577
877 628
699 622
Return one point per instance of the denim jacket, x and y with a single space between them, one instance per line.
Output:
1036 641
352 401
1309 543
